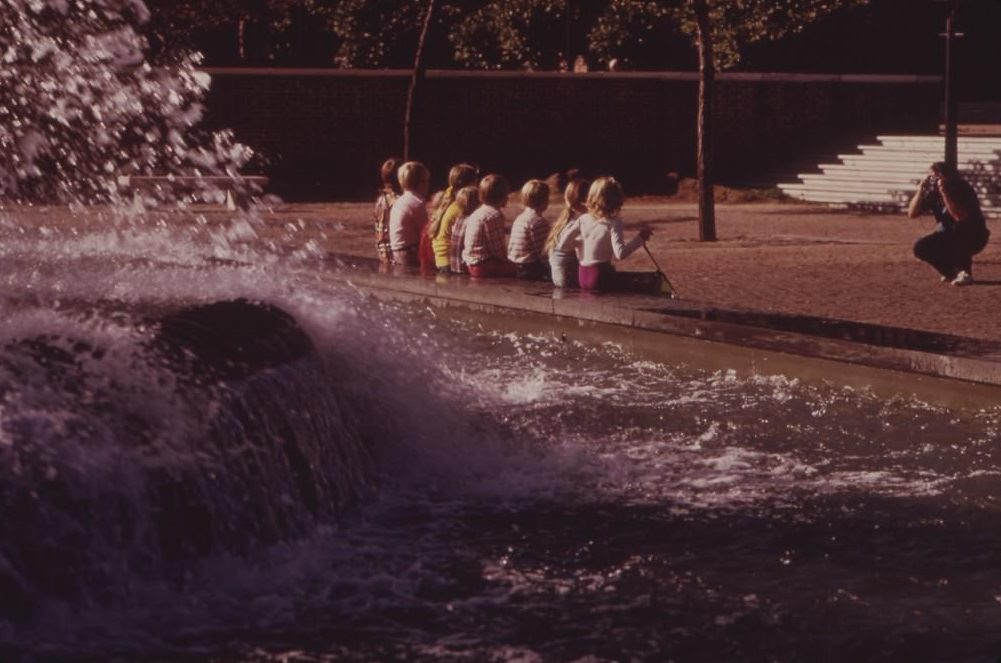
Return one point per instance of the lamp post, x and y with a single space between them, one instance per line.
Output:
951 130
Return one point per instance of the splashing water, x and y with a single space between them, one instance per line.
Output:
81 106
208 452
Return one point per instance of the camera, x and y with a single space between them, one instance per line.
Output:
929 188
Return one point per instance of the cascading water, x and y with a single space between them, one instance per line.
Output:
208 452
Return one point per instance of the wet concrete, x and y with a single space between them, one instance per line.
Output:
860 332
901 360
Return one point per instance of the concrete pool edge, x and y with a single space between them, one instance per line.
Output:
632 321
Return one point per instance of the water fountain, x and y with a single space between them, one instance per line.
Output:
208 451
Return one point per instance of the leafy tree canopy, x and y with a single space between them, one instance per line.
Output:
497 34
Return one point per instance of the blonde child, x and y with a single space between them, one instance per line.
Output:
526 247
600 235
467 200
444 214
409 214
388 194
563 264
483 248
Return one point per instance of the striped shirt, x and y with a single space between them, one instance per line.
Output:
484 238
528 238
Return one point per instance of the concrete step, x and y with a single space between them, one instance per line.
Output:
887 172
926 154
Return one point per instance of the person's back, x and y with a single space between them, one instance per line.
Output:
601 235
484 250
409 214
563 263
481 232
466 201
445 212
526 247
602 240
383 206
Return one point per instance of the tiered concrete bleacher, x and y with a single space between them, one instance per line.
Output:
884 176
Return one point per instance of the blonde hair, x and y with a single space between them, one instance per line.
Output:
412 173
534 194
468 199
461 175
573 200
605 198
494 189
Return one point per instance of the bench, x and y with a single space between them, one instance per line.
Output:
236 189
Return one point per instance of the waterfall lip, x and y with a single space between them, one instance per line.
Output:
230 339
224 340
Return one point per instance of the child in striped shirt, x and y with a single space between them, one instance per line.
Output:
526 248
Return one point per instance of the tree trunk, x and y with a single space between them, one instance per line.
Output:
416 86
707 76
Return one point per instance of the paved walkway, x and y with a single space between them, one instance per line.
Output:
784 258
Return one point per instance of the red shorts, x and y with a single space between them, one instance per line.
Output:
490 269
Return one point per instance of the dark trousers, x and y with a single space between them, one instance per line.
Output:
951 250
532 271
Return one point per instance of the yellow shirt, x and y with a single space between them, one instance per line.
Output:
442 241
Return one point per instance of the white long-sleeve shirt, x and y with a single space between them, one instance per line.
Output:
601 240
406 218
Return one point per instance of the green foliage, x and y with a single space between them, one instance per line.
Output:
628 30
369 30
505 34
627 24
497 34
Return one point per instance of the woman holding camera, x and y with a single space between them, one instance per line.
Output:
962 231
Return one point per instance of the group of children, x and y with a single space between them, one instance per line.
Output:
464 231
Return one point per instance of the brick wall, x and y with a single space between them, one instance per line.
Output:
325 132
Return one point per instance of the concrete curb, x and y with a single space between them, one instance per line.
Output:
960 371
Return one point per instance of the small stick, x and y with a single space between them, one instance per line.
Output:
674 292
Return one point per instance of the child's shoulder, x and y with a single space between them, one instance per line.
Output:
525 216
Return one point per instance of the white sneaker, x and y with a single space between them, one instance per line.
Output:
963 278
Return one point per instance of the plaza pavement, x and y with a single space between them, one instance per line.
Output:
774 257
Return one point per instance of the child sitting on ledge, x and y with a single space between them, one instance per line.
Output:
563 264
601 237
388 194
445 213
526 248
467 200
409 214
483 250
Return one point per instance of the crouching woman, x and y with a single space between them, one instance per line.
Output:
962 230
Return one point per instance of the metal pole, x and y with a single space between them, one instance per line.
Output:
951 129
